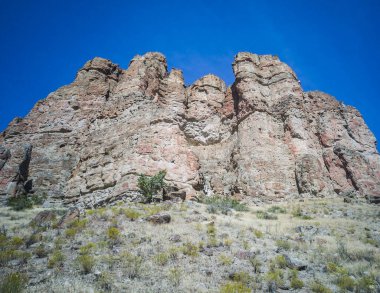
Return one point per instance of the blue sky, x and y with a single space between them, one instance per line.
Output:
333 46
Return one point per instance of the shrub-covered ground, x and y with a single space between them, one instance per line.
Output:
319 245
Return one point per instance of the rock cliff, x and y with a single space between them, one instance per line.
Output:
263 137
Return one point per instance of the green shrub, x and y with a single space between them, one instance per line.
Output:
334 268
79 224
5 256
256 264
345 282
225 260
175 276
295 282
39 199
75 227
41 251
242 277
12 254
297 212
105 281
277 210
86 249
317 287
131 214
235 287
275 279
149 185
86 262
154 209
284 244
366 284
280 261
113 233
173 252
34 238
56 259
258 233
223 204
16 242
20 203
132 264
13 283
71 232
161 258
265 216
25 202
190 249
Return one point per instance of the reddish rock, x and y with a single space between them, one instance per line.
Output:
262 137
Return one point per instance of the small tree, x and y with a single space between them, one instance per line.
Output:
150 185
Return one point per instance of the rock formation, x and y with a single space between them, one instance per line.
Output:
263 137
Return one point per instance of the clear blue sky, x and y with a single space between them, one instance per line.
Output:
333 46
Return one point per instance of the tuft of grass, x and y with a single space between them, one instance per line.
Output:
173 252
280 261
86 249
113 233
256 264
298 213
151 210
86 262
105 281
366 284
235 287
265 216
258 233
227 242
225 260
131 214
316 286
56 259
75 227
16 242
284 244
132 264
174 276
277 210
190 249
295 281
346 283
7 255
71 232
274 279
242 277
13 283
161 258
334 268
41 251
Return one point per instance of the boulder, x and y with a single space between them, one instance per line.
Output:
159 218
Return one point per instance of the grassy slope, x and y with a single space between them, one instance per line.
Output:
200 251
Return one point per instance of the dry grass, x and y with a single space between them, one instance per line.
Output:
199 251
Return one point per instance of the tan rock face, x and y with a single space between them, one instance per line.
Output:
262 137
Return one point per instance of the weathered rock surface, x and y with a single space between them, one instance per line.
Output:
262 137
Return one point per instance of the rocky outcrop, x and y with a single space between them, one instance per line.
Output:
263 137
15 170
